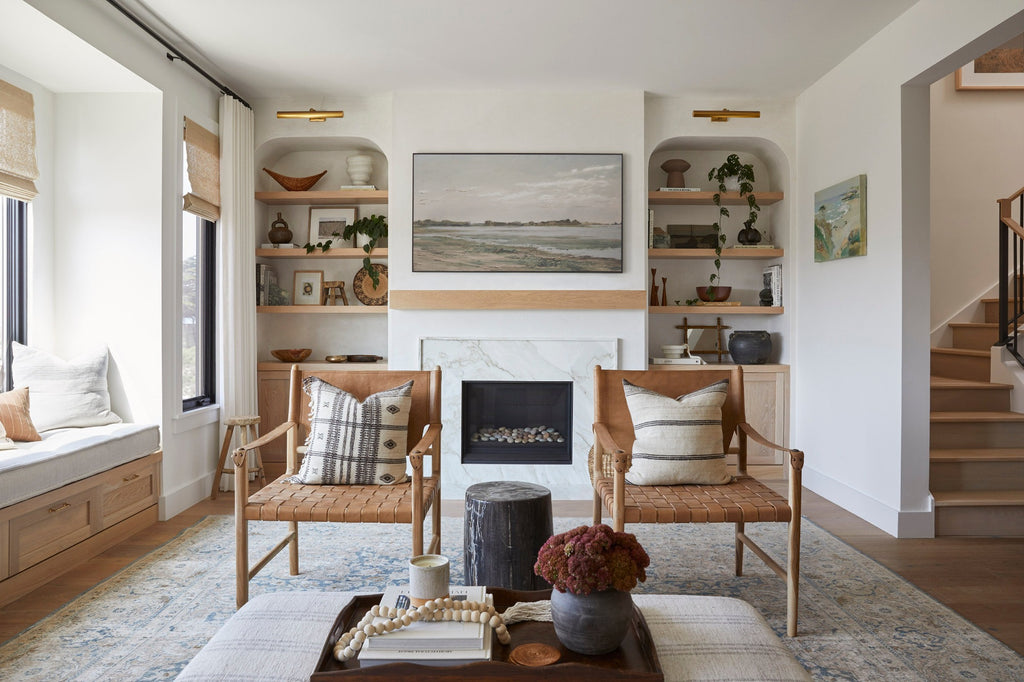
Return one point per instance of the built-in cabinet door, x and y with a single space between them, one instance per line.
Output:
272 396
766 396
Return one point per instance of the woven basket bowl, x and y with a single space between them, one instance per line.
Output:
295 184
291 354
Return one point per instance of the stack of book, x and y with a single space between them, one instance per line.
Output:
430 642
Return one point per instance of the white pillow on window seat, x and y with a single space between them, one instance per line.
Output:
64 392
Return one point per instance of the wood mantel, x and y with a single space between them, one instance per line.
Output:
571 299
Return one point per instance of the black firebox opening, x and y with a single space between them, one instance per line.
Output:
517 422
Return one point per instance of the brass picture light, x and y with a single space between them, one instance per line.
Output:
720 115
311 115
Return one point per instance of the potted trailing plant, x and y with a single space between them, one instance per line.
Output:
739 175
374 228
592 570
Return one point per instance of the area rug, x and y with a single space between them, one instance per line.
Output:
858 620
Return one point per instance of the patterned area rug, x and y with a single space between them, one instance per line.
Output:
858 620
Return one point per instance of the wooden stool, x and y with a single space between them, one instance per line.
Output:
249 431
332 289
506 524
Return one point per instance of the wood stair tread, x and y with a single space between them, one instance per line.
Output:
978 498
964 352
949 417
978 455
975 325
950 382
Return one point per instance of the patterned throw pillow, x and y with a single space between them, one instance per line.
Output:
352 442
14 415
677 441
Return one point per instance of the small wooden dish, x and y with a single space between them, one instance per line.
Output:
336 358
291 354
295 184
534 655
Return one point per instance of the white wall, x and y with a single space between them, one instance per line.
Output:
861 372
977 143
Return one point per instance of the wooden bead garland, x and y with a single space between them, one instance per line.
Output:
443 609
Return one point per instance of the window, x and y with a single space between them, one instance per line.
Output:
13 298
198 301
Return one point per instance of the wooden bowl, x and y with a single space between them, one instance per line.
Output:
721 293
295 184
291 354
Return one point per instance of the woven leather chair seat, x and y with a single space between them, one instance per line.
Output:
745 499
282 500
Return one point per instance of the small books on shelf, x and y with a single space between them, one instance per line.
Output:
346 188
772 280
754 246
678 361
680 189
430 642
280 246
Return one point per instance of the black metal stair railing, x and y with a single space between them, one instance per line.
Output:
1011 260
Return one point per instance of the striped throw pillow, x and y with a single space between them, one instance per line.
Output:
353 442
14 415
678 441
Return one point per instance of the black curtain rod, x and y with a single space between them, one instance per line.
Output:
175 53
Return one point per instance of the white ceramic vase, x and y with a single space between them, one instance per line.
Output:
359 168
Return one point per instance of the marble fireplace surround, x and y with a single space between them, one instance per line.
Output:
505 359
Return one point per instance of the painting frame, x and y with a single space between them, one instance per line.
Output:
308 287
978 74
841 220
323 220
542 212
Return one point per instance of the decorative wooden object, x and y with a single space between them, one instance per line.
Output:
332 289
295 184
654 288
506 524
719 350
664 291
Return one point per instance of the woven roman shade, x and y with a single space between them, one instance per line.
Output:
202 160
18 170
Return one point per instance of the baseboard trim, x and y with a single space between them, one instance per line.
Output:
900 524
178 500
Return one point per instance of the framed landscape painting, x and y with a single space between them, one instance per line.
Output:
517 213
841 220
1001 68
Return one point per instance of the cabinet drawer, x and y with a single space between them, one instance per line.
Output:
129 489
52 527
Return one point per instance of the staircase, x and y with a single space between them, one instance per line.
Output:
977 443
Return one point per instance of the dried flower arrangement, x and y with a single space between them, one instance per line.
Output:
592 559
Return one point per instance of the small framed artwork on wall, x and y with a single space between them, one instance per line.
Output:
1001 68
329 223
841 220
308 286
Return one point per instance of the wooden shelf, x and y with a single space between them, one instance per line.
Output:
727 254
277 366
500 299
705 198
381 253
323 309
715 310
314 198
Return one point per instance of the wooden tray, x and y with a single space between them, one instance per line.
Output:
636 659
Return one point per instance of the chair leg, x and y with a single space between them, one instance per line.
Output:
792 576
597 508
241 539
739 548
223 459
435 524
293 548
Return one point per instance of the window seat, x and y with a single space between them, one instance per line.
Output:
72 495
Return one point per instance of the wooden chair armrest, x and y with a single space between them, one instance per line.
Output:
430 436
268 437
620 457
796 457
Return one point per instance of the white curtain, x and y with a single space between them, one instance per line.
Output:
236 249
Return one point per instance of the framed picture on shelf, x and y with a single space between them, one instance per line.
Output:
517 213
329 222
309 285
1001 68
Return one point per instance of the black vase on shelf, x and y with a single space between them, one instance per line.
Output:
750 347
749 235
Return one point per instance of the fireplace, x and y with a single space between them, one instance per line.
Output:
517 422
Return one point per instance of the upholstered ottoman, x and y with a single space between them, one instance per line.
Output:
278 637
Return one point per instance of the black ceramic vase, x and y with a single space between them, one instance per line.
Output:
750 347
748 235
591 624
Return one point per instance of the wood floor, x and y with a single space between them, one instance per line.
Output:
980 578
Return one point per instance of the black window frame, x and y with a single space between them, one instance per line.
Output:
206 272
15 301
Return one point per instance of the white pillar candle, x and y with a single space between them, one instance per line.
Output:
428 578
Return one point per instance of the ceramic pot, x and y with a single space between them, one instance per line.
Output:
591 624
748 235
732 183
750 347
719 293
359 168
279 232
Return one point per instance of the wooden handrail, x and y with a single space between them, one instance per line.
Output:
1013 225
1013 196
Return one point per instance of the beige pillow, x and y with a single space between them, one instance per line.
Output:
353 442
14 415
678 441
